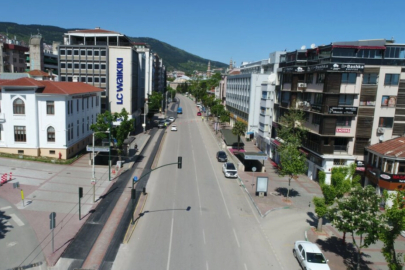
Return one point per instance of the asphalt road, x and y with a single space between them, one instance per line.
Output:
19 237
195 218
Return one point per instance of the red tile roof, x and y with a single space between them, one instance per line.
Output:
38 72
52 87
393 148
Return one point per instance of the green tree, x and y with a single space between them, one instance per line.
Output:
291 129
155 101
225 117
321 209
239 129
119 133
343 179
358 214
393 224
293 162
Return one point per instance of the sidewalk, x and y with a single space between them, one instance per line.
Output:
302 191
54 188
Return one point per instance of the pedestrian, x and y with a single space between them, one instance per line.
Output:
202 118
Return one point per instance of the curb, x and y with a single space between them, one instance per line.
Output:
132 226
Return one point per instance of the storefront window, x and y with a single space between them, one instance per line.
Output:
401 168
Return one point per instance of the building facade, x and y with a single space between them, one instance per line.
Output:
351 94
47 118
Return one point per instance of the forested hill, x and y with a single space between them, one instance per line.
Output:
173 58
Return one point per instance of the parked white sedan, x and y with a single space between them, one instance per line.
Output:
174 128
172 119
310 256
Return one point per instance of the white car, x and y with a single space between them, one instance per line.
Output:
229 170
310 256
172 119
174 128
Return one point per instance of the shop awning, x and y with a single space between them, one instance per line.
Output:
254 156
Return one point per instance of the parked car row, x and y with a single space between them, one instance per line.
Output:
165 122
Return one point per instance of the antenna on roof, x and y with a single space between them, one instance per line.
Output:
313 46
303 47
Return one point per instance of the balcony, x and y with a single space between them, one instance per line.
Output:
340 149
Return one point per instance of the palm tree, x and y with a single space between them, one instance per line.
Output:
239 129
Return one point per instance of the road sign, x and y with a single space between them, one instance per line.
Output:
93 181
135 178
254 169
89 148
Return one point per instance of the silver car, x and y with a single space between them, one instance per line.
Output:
310 256
230 170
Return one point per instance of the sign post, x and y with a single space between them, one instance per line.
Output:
52 217
22 197
253 170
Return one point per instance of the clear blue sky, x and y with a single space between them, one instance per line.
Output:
220 30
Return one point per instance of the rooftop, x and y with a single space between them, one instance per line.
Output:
391 148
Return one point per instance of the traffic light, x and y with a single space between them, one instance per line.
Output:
80 192
179 162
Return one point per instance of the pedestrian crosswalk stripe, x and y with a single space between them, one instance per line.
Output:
17 220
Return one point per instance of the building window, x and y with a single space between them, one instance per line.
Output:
391 79
401 168
90 79
83 52
388 167
62 65
83 79
309 78
75 52
388 101
92 119
97 101
51 134
320 78
77 104
52 152
89 66
96 66
70 79
103 53
386 122
87 101
68 107
68 132
349 78
62 52
345 121
83 66
103 80
78 128
82 103
339 162
50 107
318 99
71 131
96 53
76 65
88 123
69 65
82 125
18 106
103 66
20 134
346 99
316 119
92 102
370 78
90 52
69 52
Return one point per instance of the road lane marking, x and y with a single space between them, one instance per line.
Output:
204 237
170 246
207 266
237 241
5 208
17 220
196 182
219 187
246 267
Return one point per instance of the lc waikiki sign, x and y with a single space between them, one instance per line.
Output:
120 80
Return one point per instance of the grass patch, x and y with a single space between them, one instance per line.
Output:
43 159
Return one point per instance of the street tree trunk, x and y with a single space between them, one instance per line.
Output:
319 227
289 184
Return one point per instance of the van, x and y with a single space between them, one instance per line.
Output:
179 110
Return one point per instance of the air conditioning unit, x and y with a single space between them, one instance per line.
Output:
380 130
302 85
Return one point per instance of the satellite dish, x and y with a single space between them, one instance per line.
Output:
272 78
303 47
313 45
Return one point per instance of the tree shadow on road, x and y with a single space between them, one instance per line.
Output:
347 251
4 225
283 191
313 220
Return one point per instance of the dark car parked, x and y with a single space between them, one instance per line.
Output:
221 156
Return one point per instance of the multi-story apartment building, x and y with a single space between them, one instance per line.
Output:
268 96
352 94
12 56
104 59
47 118
243 94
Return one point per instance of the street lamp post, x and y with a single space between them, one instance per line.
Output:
93 173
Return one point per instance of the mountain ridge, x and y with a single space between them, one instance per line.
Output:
173 57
